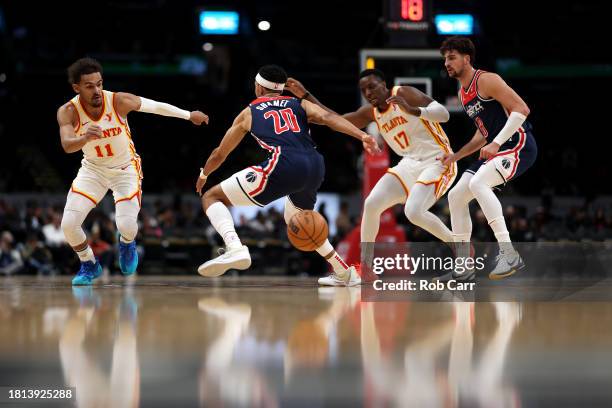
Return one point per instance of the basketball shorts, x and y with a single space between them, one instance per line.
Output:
293 173
512 160
94 181
428 172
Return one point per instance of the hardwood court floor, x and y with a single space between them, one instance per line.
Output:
261 341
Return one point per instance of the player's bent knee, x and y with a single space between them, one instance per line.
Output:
413 214
127 227
476 185
371 205
71 227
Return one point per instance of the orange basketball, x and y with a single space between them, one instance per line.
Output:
307 230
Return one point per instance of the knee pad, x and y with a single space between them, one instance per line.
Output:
127 226
126 219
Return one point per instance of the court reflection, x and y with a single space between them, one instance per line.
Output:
85 334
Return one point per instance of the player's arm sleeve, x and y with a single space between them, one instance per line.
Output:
435 112
494 86
162 108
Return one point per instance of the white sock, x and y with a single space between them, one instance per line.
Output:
498 225
222 221
86 255
462 246
338 265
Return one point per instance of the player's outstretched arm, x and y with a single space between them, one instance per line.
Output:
126 103
416 103
233 136
70 141
477 141
491 85
318 115
361 118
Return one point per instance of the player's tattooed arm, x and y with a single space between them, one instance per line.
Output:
126 103
477 141
318 115
67 120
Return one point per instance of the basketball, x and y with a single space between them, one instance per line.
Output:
307 230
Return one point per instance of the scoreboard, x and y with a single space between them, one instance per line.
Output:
407 22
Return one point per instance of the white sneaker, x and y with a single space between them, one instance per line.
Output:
507 264
234 258
351 279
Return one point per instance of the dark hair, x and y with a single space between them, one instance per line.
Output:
373 71
273 73
83 66
462 45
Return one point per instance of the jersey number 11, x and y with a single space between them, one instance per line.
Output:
107 147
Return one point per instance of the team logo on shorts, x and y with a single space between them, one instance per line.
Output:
506 164
251 176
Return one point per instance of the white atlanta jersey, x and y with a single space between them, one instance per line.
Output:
410 136
115 149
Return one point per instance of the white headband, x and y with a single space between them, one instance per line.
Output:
269 84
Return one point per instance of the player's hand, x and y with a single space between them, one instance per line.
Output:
369 144
406 107
200 183
447 158
489 151
93 132
295 87
197 117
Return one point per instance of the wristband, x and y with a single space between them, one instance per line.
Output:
202 175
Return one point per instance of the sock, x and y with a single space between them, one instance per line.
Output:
86 255
498 225
462 245
222 221
338 265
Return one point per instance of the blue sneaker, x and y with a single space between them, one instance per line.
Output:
128 258
89 271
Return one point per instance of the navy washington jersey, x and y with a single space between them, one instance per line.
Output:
519 152
294 168
280 122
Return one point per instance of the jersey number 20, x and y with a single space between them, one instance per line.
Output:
286 117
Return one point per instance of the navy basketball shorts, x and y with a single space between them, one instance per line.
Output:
512 160
295 173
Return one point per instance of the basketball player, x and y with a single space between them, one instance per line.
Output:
507 150
95 121
408 120
280 125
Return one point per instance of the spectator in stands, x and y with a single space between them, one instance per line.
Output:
10 259
37 257
52 231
